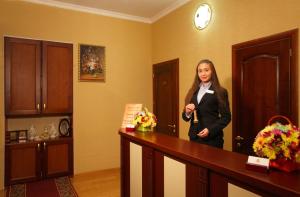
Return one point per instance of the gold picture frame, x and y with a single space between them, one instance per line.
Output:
13 136
91 63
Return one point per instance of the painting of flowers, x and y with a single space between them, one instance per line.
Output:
91 63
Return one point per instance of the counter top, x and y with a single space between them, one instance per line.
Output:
230 164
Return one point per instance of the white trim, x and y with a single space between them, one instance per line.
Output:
103 12
169 9
89 10
38 39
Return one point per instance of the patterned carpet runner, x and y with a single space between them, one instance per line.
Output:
58 187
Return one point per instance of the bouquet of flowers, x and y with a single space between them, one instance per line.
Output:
144 120
280 143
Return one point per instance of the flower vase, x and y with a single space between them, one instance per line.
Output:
143 129
284 165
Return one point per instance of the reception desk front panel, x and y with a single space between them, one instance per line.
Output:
135 170
174 178
158 165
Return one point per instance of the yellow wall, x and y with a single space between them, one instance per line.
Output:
233 21
98 107
131 49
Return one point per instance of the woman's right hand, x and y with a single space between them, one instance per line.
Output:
189 108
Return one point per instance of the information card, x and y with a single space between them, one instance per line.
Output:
130 111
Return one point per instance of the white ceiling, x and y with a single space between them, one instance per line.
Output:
146 11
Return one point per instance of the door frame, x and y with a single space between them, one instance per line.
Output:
293 35
174 62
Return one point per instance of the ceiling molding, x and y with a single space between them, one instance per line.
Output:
102 12
168 10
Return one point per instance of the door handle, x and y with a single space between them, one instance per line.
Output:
239 138
172 125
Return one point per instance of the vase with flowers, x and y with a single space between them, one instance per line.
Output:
144 120
280 143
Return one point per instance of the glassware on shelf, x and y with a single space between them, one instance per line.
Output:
53 131
32 133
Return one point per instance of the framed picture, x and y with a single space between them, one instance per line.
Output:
91 63
13 136
22 137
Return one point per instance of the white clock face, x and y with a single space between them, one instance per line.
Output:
202 16
64 127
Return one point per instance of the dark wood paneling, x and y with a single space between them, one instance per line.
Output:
22 76
166 96
147 171
196 181
218 185
125 168
57 78
38 77
31 161
265 83
22 162
58 156
158 174
225 163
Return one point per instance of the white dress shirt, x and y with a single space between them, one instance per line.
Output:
203 88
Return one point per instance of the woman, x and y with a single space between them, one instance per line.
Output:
207 102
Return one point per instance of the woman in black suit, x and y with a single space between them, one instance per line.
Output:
207 101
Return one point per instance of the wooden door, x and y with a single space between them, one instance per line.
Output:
22 76
22 163
165 96
264 85
57 78
58 157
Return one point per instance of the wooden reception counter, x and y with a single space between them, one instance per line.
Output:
157 165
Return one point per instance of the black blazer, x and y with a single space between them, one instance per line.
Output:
210 116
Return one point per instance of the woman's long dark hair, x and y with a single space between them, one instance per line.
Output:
220 91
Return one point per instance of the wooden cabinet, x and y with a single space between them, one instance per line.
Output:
22 162
38 83
37 160
38 77
58 157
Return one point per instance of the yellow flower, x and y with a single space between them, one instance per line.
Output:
278 141
144 118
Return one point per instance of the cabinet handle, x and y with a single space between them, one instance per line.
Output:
38 106
44 106
38 147
44 145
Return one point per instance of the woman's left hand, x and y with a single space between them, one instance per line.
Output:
203 133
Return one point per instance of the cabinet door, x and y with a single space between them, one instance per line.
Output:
22 163
57 78
58 157
22 76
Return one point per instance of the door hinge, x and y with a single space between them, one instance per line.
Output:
290 52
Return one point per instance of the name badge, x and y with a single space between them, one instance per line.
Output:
210 91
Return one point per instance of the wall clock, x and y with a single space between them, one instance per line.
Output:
64 127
